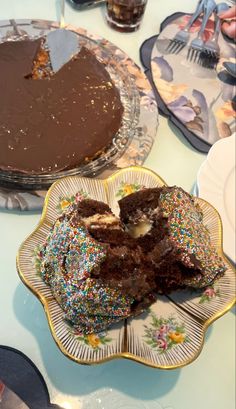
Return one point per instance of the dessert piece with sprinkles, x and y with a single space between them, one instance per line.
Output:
95 306
102 268
190 237
176 242
75 263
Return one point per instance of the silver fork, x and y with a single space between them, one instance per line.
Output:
197 45
211 50
182 37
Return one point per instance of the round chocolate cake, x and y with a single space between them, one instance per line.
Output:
54 122
102 268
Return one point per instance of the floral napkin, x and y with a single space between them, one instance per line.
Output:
200 101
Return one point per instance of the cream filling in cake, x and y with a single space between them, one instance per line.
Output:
139 229
102 220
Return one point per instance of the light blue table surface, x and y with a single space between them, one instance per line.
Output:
209 382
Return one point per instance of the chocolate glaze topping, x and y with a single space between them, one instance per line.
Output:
53 124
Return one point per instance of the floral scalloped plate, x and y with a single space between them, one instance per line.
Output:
171 333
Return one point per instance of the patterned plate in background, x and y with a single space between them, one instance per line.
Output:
199 101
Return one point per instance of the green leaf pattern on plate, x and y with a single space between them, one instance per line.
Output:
66 201
94 341
209 294
126 189
162 334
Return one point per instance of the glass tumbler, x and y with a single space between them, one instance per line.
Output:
125 15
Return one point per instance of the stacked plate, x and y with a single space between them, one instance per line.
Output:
216 184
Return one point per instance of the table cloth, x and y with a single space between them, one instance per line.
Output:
208 383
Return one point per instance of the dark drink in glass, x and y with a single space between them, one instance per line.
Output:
125 15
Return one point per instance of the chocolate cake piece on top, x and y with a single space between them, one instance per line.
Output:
124 266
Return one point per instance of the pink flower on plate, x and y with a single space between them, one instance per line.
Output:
81 195
164 329
162 344
209 30
210 292
157 335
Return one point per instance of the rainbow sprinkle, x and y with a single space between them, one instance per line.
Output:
69 257
191 237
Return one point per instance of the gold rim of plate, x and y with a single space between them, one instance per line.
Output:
45 300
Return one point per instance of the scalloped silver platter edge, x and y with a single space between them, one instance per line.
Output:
128 339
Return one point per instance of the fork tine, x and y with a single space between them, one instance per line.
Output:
199 58
175 50
180 48
178 43
171 44
196 56
201 61
205 60
174 46
188 55
191 54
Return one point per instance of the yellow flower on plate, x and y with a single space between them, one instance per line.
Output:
177 337
64 203
128 189
93 340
